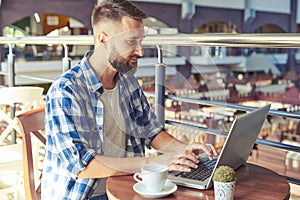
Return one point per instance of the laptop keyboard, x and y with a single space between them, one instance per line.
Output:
204 170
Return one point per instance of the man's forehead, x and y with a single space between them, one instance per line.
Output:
132 34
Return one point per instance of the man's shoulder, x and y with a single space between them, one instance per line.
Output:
64 82
69 76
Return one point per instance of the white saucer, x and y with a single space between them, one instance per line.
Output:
168 189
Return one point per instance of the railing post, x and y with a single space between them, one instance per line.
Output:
66 60
11 83
160 71
11 66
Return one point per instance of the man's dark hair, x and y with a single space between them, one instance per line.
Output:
114 10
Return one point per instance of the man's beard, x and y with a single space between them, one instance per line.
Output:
122 65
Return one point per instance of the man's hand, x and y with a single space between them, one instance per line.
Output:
189 158
178 155
198 148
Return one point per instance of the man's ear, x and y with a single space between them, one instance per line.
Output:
102 37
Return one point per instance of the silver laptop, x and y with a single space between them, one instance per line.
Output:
235 152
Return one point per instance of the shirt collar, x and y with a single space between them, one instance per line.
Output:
93 81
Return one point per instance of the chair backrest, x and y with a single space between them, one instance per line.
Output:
31 123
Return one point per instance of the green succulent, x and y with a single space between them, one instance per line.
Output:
224 174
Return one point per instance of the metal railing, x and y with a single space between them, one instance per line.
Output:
286 40
227 40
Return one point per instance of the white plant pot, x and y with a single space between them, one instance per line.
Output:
224 191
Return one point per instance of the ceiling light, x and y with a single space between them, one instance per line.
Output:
37 17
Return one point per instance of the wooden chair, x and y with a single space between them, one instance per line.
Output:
31 124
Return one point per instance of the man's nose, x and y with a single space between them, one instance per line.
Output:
139 51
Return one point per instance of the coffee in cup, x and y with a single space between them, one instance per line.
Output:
153 177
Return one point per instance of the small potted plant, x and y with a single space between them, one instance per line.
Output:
224 183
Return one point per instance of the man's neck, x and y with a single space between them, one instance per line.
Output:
108 79
104 71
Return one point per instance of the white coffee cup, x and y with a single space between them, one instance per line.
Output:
152 176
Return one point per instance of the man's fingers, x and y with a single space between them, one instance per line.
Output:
189 158
181 168
209 149
186 162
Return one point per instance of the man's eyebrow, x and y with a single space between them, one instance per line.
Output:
135 38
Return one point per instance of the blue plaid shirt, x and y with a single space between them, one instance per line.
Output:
74 128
